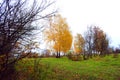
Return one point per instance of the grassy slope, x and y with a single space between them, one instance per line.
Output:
106 68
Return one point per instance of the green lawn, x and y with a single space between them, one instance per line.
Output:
107 68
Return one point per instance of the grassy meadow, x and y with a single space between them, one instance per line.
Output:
105 68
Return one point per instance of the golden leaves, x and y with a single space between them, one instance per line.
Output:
78 43
58 34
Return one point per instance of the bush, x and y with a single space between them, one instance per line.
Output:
74 57
30 55
9 70
37 71
115 55
69 55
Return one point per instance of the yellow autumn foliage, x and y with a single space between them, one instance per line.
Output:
58 34
78 44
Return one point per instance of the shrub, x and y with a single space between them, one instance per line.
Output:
30 55
69 55
115 55
37 71
74 57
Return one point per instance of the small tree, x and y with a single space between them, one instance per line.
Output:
88 36
79 44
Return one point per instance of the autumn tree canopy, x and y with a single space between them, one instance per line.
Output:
96 41
78 43
58 34
101 41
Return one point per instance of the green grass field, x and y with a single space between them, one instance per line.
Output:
106 68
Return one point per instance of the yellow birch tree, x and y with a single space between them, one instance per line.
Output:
58 34
78 44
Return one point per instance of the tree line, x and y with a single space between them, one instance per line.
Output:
94 42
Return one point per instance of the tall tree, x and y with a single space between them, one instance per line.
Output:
89 41
59 35
101 41
79 44
16 24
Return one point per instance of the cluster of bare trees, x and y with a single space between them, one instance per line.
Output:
16 25
96 42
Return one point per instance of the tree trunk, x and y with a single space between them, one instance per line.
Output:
84 57
58 55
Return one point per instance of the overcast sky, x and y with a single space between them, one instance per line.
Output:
83 13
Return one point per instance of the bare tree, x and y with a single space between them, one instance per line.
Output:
16 24
89 41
